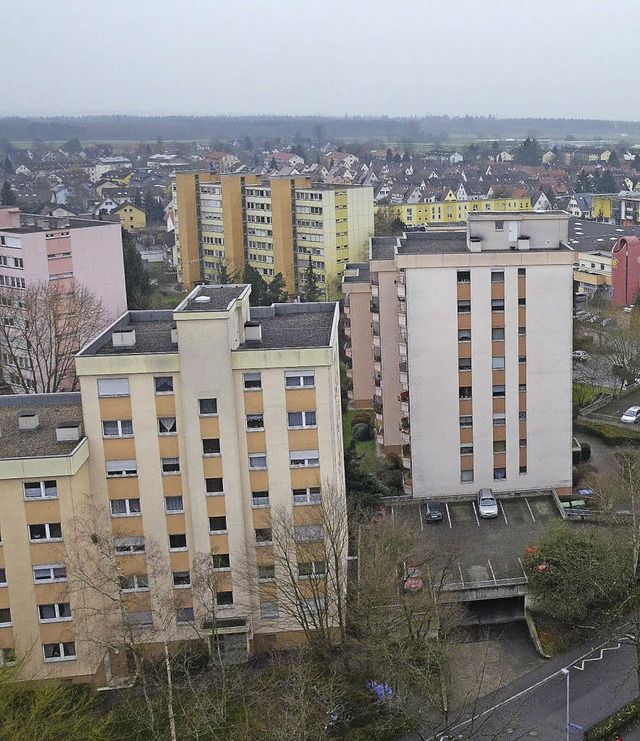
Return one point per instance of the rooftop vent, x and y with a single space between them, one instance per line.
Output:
174 335
202 299
253 332
29 421
124 338
68 432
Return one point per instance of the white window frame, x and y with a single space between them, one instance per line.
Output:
252 377
272 572
146 622
181 612
298 379
312 495
305 424
164 461
172 511
260 502
252 457
271 612
218 532
308 533
140 583
57 617
162 423
119 387
211 455
499 419
7 656
129 546
3 576
62 648
220 568
180 586
9 622
175 549
315 569
48 538
498 362
121 468
42 488
119 423
207 414
52 567
128 511
304 458
214 493
162 378
253 429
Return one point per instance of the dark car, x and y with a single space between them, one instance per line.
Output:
434 511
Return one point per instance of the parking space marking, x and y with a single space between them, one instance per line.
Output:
475 512
420 515
522 567
529 508
446 504
493 576
461 576
504 514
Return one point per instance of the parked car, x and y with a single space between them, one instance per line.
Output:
580 355
433 511
631 416
412 577
487 505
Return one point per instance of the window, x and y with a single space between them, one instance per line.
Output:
40 489
464 364
464 392
221 561
134 583
522 469
113 387
211 446
163 384
497 276
170 466
498 391
522 416
263 535
257 461
122 468
268 610
466 449
523 442
259 498
311 495
266 573
464 335
255 421
497 363
167 426
51 573
312 568
466 476
499 446
5 617
126 546
522 359
184 615
522 272
214 486
499 226
297 420
464 307
47 531
304 458
3 577
466 420
252 381
522 302
173 504
497 334
181 579
117 428
7 656
297 379
522 388
124 507
140 618
499 419
217 524
499 473
224 599
497 304
208 407
308 533
178 542
522 331
464 276
54 613
59 651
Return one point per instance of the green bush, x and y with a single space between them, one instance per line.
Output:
362 431
608 433
623 719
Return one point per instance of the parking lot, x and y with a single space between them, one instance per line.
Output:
617 407
485 550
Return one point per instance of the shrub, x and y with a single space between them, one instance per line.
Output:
585 453
624 718
362 431
361 418
608 433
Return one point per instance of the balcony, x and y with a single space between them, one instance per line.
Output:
376 342
406 456
405 424
375 291
402 292
401 278
404 404
404 380
375 327
350 395
347 351
347 330
407 485
377 366
402 320
380 438
349 372
347 310
402 346
406 437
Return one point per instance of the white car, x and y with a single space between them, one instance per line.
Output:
487 505
580 355
631 416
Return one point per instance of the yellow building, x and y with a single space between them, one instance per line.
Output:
131 217
275 226
451 211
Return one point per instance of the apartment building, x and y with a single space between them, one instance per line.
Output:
472 352
275 225
358 301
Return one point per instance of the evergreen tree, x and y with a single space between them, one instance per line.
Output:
614 161
311 291
406 157
584 183
135 276
605 182
636 162
364 490
248 144
389 156
137 201
73 146
276 290
159 146
397 158
7 196
273 164
8 166
258 285
529 152
226 276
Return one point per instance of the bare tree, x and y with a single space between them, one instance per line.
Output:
41 329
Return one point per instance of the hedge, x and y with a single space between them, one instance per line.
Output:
626 717
608 433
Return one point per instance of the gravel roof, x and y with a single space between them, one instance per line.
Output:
219 298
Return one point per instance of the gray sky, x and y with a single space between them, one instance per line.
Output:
552 58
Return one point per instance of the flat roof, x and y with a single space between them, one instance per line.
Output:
589 236
212 298
52 409
288 326
30 223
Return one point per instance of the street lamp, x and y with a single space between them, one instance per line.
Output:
566 674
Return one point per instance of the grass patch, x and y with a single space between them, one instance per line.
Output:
585 393
554 638
365 448
608 433
621 720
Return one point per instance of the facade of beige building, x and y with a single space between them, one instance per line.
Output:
199 434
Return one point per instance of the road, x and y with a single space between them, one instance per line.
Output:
601 677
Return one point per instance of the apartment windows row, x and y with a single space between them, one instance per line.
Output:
255 257
10 281
497 276
214 240
308 495
297 459
13 262
292 379
499 446
499 419
295 420
213 253
497 334
498 390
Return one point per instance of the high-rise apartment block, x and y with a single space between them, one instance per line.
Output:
472 343
274 225
146 507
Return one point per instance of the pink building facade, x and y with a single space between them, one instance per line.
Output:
625 271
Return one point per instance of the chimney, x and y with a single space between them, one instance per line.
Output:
253 332
28 421
174 335
124 338
68 432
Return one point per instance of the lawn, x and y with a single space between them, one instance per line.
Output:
367 448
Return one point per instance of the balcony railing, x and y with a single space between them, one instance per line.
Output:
407 485
377 366
406 457
375 290
402 291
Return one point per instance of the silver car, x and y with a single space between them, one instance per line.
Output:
487 505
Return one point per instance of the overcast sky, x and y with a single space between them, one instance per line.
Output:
551 58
